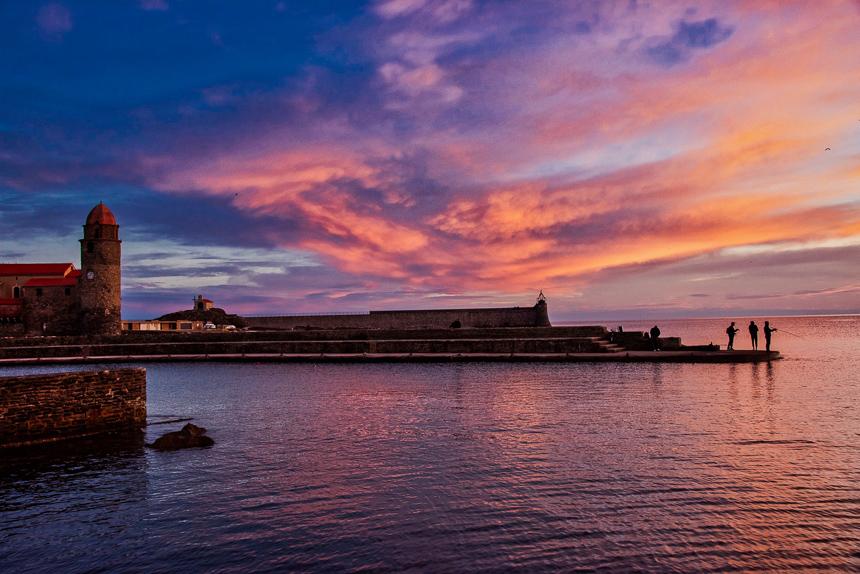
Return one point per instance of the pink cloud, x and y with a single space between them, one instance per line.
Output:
442 11
154 5
395 8
568 156
54 21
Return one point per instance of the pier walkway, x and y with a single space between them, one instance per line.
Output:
536 344
679 356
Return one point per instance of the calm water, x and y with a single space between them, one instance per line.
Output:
470 467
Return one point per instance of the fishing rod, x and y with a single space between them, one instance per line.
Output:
790 333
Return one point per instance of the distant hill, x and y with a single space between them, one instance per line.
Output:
214 315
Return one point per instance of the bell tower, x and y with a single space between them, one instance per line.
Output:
100 274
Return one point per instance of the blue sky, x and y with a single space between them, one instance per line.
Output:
631 159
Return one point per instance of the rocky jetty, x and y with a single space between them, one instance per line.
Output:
190 436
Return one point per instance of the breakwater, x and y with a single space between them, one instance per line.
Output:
37 409
586 343
504 317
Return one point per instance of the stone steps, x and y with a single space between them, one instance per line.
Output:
606 346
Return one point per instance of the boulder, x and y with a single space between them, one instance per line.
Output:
190 436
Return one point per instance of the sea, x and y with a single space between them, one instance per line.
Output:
469 467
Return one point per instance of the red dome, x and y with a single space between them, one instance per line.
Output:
101 215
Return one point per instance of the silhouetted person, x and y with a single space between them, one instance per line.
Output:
655 338
620 329
754 335
768 331
731 331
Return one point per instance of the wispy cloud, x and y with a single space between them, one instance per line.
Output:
439 10
54 21
155 5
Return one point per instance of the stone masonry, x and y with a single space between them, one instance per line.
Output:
52 309
100 274
38 409
507 317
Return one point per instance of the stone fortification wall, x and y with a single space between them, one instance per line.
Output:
520 340
37 409
421 345
136 337
51 310
11 329
419 319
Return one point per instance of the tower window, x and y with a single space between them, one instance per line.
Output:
90 247
38 291
68 291
98 232
16 293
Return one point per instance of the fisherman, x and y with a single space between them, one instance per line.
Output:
754 335
655 338
768 331
731 331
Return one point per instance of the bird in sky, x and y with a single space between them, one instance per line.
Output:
827 149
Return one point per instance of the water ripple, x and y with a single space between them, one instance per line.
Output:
465 467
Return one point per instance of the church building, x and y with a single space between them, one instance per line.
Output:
57 298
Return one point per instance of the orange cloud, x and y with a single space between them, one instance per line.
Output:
584 158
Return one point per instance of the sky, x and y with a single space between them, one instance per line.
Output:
632 159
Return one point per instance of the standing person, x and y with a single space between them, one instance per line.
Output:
768 331
754 335
655 338
731 331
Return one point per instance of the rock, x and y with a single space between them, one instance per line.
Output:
190 436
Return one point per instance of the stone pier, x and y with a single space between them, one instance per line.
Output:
37 409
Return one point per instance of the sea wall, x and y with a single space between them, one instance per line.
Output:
51 310
506 317
12 346
521 340
37 409
11 328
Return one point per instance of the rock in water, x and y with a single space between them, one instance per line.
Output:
189 437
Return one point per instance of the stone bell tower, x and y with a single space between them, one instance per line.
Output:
99 289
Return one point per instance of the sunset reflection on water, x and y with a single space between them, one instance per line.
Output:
463 467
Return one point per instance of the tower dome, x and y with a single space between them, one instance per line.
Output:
101 215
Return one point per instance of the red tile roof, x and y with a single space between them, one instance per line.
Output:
24 269
51 282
